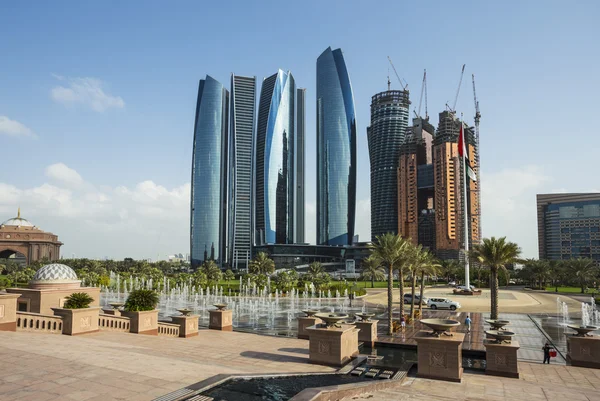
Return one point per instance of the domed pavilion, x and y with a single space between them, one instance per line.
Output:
22 241
49 288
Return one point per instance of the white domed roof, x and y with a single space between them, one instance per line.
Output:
55 272
18 221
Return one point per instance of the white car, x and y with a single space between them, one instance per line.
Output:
452 283
465 288
442 303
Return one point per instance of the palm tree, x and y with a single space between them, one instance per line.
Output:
584 270
372 270
495 254
390 249
229 276
262 264
415 258
429 267
449 268
314 269
212 272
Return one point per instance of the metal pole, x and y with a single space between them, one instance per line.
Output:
466 210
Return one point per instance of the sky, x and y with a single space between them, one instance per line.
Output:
97 102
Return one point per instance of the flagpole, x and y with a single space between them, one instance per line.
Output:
466 210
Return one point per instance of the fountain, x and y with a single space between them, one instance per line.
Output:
500 335
220 306
184 311
310 312
440 326
364 317
582 330
497 324
332 319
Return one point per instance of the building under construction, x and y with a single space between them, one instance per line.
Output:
430 196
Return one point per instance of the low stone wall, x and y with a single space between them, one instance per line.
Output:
35 322
168 329
114 323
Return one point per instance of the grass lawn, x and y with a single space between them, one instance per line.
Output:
567 290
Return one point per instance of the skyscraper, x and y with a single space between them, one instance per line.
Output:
208 215
336 151
430 197
569 226
241 180
275 161
389 120
300 124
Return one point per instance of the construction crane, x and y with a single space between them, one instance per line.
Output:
477 118
453 108
423 91
403 85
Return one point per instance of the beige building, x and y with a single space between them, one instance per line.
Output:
49 288
23 241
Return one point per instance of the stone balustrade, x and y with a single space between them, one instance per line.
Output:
168 329
36 322
114 323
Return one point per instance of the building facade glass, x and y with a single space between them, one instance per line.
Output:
569 226
336 151
241 180
300 135
275 161
209 174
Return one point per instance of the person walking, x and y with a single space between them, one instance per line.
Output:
468 324
546 350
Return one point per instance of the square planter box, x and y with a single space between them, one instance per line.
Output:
8 311
144 322
78 321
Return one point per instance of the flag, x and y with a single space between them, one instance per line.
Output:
462 151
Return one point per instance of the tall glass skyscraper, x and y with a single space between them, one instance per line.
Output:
336 151
209 174
389 120
241 184
275 164
300 124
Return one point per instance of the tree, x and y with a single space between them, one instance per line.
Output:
211 271
314 269
584 271
449 268
372 270
495 254
424 264
390 249
286 280
429 267
229 276
262 264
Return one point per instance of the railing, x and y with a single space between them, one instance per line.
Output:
168 329
35 322
113 323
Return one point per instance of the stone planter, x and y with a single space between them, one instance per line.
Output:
332 346
143 322
78 321
583 351
221 320
440 357
8 311
188 325
368 332
501 359
303 323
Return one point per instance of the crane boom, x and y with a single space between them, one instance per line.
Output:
462 73
403 85
477 118
423 89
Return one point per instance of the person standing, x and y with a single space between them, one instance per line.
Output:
468 324
403 323
546 350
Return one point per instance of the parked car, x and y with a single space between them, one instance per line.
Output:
452 283
408 299
443 303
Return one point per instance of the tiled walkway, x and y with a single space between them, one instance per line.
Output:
538 382
107 366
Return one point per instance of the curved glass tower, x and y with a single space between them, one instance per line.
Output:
275 181
209 174
336 151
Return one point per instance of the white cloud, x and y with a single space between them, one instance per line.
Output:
509 205
138 221
14 128
60 172
85 91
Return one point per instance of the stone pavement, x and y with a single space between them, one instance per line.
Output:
109 365
537 382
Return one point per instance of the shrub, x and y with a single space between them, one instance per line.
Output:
78 300
5 283
141 300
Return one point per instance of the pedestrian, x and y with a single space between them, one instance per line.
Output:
546 350
403 323
468 324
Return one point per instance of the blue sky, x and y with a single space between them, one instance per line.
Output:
97 102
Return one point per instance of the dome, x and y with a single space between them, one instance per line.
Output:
18 221
55 275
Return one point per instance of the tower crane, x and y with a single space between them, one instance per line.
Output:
403 85
423 91
477 118
453 108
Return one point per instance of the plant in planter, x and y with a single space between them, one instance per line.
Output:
141 300
78 300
